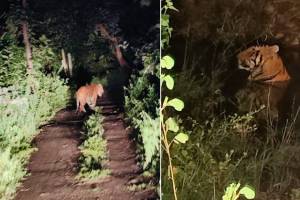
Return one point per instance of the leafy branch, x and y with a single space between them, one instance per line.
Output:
170 125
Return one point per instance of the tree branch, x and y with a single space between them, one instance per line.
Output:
114 42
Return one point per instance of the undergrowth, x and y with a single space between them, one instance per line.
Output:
150 135
141 106
226 147
93 149
215 148
23 110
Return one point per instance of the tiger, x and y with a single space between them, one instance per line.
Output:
88 95
263 63
268 81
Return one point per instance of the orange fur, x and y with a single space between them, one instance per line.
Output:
264 64
88 95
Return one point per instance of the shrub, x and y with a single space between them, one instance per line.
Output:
11 171
12 61
202 92
141 108
141 95
23 110
150 136
21 114
213 157
45 59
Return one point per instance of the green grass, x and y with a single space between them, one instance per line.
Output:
93 150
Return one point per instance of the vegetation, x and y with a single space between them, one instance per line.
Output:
233 192
93 149
22 111
170 126
226 144
149 130
28 98
141 106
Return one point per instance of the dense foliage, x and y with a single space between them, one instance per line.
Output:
13 66
141 106
22 111
150 136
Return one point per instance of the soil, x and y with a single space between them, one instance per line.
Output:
54 166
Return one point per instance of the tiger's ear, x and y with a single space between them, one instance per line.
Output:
275 48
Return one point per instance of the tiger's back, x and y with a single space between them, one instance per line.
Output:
88 95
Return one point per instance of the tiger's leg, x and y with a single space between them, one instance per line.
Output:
93 103
89 102
81 108
77 105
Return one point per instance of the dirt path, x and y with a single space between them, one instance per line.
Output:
53 167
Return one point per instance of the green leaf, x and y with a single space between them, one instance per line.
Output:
248 192
177 104
169 82
167 62
172 125
182 137
231 191
164 20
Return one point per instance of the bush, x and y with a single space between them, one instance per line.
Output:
45 59
25 103
11 171
150 136
202 92
141 108
21 114
12 61
141 95
214 156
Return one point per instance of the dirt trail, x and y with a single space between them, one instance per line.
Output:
53 167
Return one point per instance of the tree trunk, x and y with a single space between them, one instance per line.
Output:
64 61
25 31
114 42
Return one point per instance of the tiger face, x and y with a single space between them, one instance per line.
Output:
263 63
88 95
